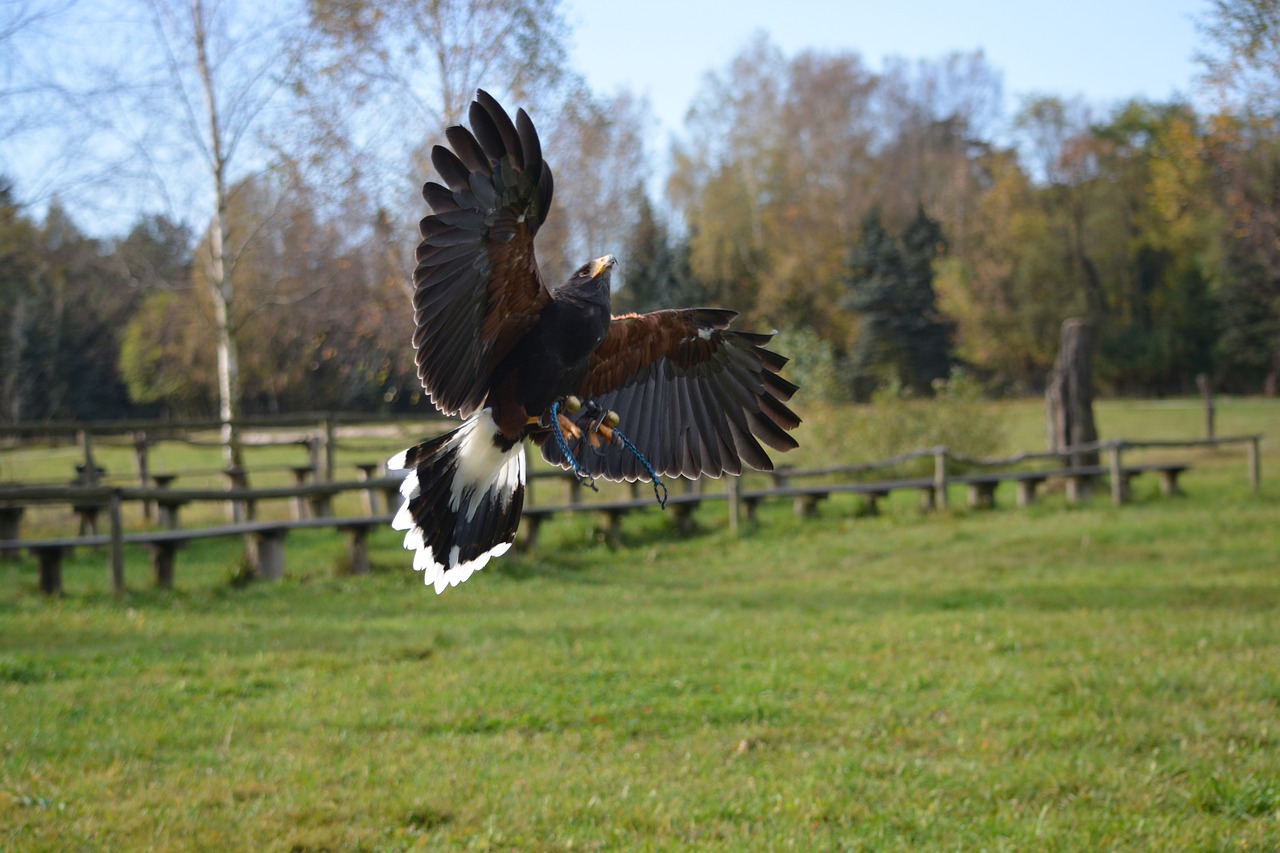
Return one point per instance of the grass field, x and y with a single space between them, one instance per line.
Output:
1050 678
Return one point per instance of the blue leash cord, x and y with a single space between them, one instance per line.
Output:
659 487
653 475
585 479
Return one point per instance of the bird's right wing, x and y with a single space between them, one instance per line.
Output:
477 288
694 397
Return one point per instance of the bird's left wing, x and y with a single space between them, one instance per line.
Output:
693 396
477 287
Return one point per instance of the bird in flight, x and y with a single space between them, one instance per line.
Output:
638 396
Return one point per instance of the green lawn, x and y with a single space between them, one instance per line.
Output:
1051 678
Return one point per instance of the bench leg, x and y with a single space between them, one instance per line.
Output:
266 554
321 506
528 532
871 504
684 518
1125 491
393 499
750 505
162 560
358 549
928 502
1026 492
10 528
805 506
50 569
167 516
982 495
1078 489
88 520
613 529
1169 483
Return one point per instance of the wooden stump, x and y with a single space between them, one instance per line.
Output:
1069 396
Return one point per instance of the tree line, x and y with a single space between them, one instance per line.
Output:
892 222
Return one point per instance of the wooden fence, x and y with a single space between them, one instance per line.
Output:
312 502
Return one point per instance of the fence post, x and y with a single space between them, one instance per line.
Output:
140 447
1206 391
940 477
89 476
1119 486
1255 464
733 490
240 509
117 545
330 449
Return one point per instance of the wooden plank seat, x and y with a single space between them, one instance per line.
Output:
805 499
1079 482
264 545
1167 472
981 488
612 513
49 554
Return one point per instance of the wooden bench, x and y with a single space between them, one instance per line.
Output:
264 546
1079 482
805 499
981 488
1168 473
612 513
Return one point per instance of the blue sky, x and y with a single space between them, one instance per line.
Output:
1103 50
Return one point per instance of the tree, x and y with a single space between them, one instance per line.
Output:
401 71
423 59
19 277
657 272
596 148
1241 57
1154 231
901 335
175 103
1006 289
1242 70
62 312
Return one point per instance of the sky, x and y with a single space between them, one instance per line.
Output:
1104 50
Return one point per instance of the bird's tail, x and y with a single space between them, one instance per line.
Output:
463 498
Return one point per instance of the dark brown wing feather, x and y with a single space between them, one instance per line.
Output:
694 396
477 288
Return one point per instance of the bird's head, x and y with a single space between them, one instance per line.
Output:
596 272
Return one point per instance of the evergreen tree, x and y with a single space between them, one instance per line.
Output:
19 285
902 336
657 274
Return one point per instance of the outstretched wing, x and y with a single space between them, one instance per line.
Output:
477 288
693 396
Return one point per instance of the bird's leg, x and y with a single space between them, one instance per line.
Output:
563 429
601 426
555 417
601 429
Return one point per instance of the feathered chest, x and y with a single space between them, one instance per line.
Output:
574 325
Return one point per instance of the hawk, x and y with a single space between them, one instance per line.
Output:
674 392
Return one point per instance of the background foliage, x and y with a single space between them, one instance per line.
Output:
1156 220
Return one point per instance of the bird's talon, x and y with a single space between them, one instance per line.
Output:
568 428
